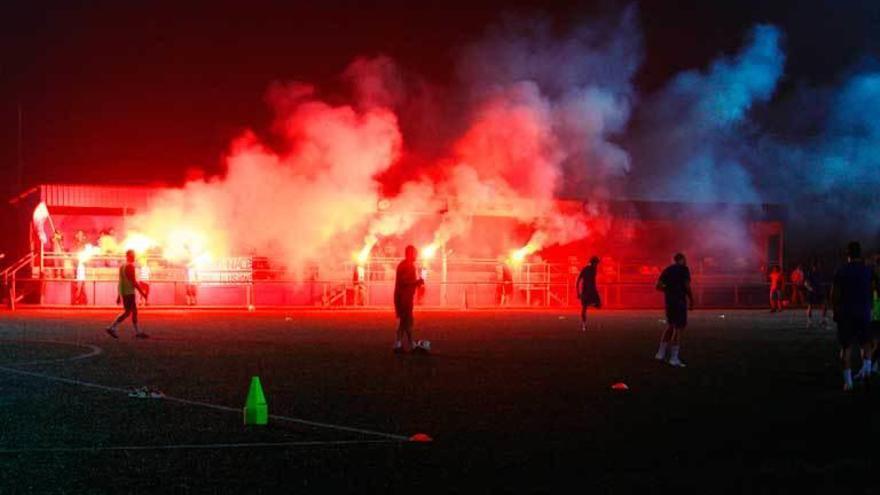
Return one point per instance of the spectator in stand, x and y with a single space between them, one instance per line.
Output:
191 289
504 287
79 241
357 282
58 252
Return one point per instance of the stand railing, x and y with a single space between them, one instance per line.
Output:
473 284
10 275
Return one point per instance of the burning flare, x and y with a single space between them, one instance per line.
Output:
428 252
517 256
362 256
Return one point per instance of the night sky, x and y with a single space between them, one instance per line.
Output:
143 91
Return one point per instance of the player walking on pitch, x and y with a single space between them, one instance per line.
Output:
852 297
875 318
675 282
128 286
587 291
405 285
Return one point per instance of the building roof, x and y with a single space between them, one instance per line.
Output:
128 198
90 196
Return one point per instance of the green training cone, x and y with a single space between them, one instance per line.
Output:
256 412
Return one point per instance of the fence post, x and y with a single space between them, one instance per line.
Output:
547 284
12 294
528 285
444 300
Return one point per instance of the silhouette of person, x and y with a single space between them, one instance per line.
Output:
128 285
587 291
405 285
675 283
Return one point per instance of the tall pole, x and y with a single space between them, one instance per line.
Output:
19 169
443 275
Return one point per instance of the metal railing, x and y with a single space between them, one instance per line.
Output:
10 275
542 285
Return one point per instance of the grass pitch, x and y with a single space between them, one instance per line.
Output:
515 401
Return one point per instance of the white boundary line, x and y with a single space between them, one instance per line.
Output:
97 350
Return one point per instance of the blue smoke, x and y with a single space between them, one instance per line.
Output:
691 139
717 134
722 96
701 139
832 179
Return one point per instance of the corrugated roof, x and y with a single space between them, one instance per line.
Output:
97 196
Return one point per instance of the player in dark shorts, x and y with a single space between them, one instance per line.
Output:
587 291
816 293
675 282
405 285
852 297
128 286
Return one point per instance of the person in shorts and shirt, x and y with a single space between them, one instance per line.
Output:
675 283
852 298
775 289
406 283
587 291
128 286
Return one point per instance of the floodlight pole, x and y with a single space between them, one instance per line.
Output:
20 165
443 277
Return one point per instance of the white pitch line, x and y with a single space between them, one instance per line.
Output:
63 380
316 443
107 388
95 350
306 422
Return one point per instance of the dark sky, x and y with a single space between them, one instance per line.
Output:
140 91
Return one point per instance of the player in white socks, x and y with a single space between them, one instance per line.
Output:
675 282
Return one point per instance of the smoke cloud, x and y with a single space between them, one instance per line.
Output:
291 204
535 113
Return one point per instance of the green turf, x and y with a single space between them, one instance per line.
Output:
516 401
